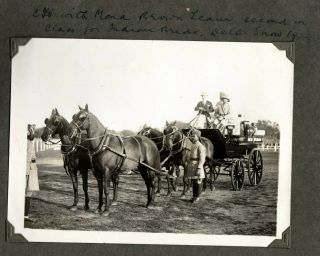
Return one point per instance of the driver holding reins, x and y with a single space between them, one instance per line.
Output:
204 108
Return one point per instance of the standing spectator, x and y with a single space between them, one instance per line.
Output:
32 182
204 108
195 170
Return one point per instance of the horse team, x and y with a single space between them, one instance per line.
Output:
87 144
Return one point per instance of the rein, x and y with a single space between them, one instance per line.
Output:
103 145
175 129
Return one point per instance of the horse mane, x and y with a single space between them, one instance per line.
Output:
64 122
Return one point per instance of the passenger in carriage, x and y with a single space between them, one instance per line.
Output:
204 108
195 163
222 112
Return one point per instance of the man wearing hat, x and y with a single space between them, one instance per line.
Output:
222 111
204 108
195 170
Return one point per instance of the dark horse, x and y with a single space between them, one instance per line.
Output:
179 145
111 154
74 159
157 137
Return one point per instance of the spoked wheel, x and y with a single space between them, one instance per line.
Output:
237 175
255 167
211 174
207 171
215 172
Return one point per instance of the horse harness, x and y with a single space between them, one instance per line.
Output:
182 145
103 145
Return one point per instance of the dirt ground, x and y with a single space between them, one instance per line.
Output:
251 211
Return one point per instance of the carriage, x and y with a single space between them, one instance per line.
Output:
234 155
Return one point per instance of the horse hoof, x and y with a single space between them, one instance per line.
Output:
114 203
150 206
73 208
105 213
97 211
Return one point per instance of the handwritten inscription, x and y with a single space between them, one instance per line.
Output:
188 22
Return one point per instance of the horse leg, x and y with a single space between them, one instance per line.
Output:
169 186
185 184
174 184
152 176
100 189
174 179
144 174
159 184
106 187
85 189
115 181
74 179
211 177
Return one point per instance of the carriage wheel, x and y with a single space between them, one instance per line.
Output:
237 175
255 167
215 172
207 173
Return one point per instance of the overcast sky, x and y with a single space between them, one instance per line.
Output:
128 83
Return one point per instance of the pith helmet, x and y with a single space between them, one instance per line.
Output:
195 132
224 96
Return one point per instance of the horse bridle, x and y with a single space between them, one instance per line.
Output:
52 131
175 129
146 133
77 133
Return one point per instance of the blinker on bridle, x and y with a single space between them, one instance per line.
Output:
77 132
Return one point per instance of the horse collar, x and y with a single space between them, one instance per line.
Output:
102 145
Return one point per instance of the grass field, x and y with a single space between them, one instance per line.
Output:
251 211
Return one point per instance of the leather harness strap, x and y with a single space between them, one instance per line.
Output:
122 158
140 151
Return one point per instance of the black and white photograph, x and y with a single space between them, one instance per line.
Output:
150 142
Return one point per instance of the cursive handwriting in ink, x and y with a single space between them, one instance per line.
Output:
43 13
198 17
82 14
101 15
261 31
58 28
129 28
282 21
150 16
187 31
229 31
89 30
